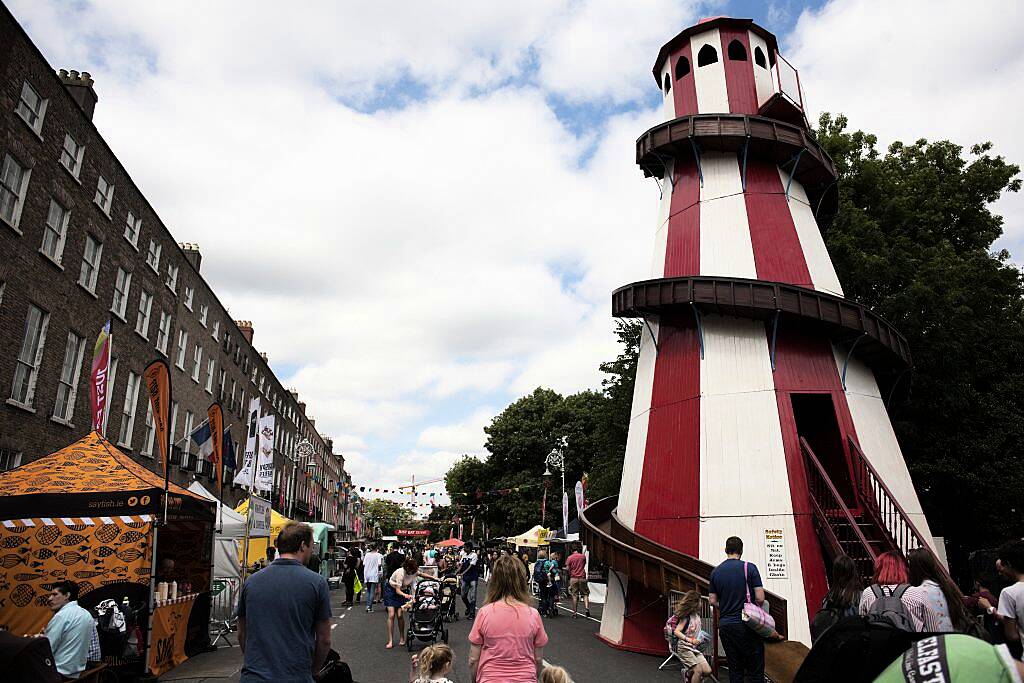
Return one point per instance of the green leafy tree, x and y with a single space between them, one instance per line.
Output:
388 515
913 240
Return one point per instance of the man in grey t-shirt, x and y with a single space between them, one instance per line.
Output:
283 615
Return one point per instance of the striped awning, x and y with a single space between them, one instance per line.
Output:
77 521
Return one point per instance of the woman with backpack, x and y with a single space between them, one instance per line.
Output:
888 600
932 586
842 599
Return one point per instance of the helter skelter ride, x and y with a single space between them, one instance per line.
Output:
759 409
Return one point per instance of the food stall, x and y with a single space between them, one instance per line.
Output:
90 514
258 546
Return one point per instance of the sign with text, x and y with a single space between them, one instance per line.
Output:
775 554
158 385
412 532
265 455
259 517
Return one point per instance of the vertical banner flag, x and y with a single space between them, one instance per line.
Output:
580 504
158 383
565 512
264 475
98 377
216 416
244 474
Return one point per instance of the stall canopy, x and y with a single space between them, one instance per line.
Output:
91 477
229 530
450 543
84 513
320 531
536 536
258 546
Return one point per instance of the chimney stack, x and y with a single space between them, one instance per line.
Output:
302 407
80 87
245 327
192 254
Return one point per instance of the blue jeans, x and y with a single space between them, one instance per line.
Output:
469 595
371 593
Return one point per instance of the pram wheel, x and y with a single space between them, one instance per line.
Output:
444 636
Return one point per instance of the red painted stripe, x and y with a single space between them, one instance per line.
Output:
805 364
685 89
778 255
668 505
739 75
643 621
682 244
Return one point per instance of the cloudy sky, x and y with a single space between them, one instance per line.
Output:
440 196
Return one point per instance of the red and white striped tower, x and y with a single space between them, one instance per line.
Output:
747 343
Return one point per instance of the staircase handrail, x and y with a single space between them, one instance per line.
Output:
837 499
896 513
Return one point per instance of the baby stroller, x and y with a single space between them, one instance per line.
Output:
426 620
449 591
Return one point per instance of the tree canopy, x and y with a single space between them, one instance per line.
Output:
913 240
389 516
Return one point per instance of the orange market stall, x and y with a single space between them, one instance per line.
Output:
88 513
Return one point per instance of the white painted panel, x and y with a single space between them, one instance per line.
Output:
636 440
661 233
725 246
819 263
712 96
714 531
736 358
763 82
878 441
859 378
614 608
668 102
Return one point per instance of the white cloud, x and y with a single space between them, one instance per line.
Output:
466 436
920 68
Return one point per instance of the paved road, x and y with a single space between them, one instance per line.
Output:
360 637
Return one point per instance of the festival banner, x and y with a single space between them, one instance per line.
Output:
565 512
98 377
216 416
157 376
580 503
244 474
170 626
264 476
412 532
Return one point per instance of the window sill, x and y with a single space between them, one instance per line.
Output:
180 367
72 174
21 406
119 316
91 293
28 125
172 290
209 391
61 421
13 226
124 446
162 352
105 212
196 380
135 245
51 259
156 268
144 337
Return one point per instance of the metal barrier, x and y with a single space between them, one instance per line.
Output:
708 622
224 594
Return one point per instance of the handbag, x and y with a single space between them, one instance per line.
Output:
754 616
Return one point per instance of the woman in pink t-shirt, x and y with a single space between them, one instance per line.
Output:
507 641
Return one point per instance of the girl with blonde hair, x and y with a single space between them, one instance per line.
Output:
555 674
683 629
432 665
508 638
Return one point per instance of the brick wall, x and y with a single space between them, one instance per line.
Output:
28 277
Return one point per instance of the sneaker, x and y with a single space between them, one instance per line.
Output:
588 613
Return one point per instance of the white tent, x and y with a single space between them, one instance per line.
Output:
537 536
226 537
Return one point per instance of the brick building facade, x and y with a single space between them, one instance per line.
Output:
80 245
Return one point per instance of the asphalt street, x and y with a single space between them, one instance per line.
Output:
360 638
